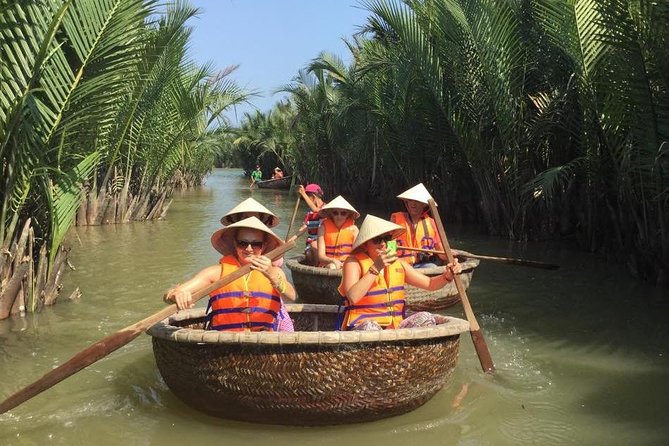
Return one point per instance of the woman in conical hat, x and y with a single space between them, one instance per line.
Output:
373 281
336 232
250 208
420 229
252 302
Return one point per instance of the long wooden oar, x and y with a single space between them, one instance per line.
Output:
474 329
117 340
292 219
510 260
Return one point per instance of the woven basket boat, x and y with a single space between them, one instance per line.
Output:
319 286
308 377
279 183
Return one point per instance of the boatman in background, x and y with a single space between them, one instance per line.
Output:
256 175
420 230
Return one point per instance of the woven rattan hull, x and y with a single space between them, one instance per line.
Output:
282 183
305 378
319 286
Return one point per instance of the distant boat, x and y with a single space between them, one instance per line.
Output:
280 183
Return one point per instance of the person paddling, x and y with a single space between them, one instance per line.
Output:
252 302
251 208
312 194
373 281
420 228
256 175
336 233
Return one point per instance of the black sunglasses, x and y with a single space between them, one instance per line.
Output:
243 244
382 239
336 213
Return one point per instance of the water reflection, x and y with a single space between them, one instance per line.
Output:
581 352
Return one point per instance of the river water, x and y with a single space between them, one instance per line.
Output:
581 353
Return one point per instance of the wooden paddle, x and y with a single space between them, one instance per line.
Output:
510 260
117 340
474 329
292 219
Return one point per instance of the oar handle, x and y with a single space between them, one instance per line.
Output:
122 337
292 219
468 255
477 336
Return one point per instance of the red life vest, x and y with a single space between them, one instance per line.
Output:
424 236
250 303
338 241
383 302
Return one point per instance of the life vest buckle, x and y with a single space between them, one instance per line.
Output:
247 310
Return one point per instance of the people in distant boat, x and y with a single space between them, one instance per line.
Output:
373 281
252 302
256 175
251 208
420 229
278 173
336 233
313 196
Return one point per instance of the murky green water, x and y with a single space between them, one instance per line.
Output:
581 353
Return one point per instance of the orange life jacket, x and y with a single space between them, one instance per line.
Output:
424 236
338 241
250 303
383 302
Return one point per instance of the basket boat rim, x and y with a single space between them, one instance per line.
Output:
295 264
165 330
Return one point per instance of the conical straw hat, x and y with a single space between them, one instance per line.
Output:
224 239
250 205
338 203
416 193
373 227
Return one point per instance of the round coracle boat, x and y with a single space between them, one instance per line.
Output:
319 286
307 377
278 183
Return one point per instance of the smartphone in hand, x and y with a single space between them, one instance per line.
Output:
391 248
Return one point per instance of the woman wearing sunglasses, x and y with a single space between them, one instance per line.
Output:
373 281
252 302
336 233
251 208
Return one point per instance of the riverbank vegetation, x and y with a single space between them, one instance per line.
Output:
103 114
535 118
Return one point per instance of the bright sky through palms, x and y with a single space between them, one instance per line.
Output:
271 39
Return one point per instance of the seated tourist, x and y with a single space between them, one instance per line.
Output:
373 281
252 302
336 233
420 231
278 174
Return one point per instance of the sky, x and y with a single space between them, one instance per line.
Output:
271 40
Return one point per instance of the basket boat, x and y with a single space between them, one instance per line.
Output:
308 377
319 286
281 183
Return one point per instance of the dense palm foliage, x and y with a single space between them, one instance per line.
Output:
99 95
535 117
